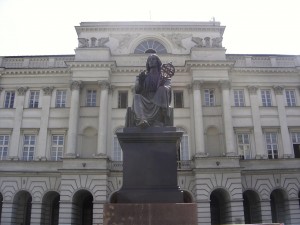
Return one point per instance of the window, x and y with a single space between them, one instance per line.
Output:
4 140
60 101
150 46
178 99
28 147
239 99
296 143
266 97
272 146
184 146
122 99
91 96
290 97
57 147
117 154
34 99
9 99
244 146
209 97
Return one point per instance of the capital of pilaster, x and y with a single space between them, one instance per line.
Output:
196 84
76 84
252 89
225 84
22 90
48 90
278 89
201 155
104 84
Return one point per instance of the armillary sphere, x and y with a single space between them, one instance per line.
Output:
167 70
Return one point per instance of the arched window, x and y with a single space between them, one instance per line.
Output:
150 46
252 208
220 209
50 208
184 153
82 209
117 152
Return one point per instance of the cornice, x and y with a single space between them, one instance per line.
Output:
195 64
90 64
138 69
41 71
264 70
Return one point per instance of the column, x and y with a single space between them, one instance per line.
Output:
198 120
47 92
258 135
102 126
15 137
36 213
266 214
227 119
73 119
287 147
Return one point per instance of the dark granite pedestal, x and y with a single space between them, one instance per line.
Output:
150 194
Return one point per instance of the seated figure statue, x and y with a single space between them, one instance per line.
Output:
151 102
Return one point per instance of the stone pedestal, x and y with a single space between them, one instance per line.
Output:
150 165
150 214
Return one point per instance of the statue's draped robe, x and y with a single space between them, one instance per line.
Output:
152 96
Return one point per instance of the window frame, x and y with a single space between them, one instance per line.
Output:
91 98
289 99
60 99
245 146
4 148
11 101
239 99
272 147
121 104
34 99
29 146
266 98
211 98
54 148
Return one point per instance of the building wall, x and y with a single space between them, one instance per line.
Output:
215 169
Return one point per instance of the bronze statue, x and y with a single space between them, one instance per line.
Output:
151 102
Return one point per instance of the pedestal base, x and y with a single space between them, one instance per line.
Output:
150 214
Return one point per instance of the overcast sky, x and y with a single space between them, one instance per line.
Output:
45 27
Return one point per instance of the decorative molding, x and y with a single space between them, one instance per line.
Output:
35 72
104 84
22 90
76 85
252 89
196 84
48 90
278 89
225 84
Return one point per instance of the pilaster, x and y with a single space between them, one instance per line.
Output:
73 120
20 100
287 148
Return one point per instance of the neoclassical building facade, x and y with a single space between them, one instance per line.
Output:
60 160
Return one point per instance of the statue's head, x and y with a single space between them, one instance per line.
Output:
153 60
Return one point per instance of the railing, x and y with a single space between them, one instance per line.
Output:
181 165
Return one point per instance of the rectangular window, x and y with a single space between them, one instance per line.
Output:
91 96
9 99
244 146
290 97
209 97
60 101
296 143
266 97
57 147
34 99
239 99
28 147
272 146
4 140
123 99
178 99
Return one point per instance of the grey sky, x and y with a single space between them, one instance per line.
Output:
43 27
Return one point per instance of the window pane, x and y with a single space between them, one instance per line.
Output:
178 99
9 99
91 98
4 140
57 147
60 98
123 99
34 99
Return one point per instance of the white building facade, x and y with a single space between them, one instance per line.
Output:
60 160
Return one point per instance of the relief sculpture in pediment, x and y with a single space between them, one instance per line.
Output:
177 39
124 39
